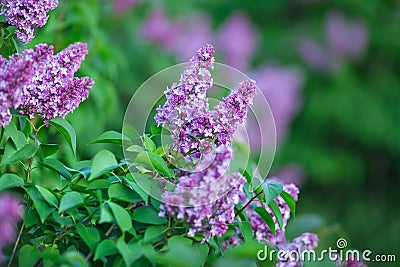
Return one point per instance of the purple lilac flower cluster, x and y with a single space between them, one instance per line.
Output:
14 75
27 15
194 128
263 233
211 195
39 82
9 216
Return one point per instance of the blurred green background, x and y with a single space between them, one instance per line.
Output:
330 70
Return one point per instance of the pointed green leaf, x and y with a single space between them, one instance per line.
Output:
57 166
26 152
48 196
121 216
89 235
113 137
28 256
121 192
66 129
277 213
104 249
267 218
70 200
290 202
147 215
102 163
149 144
10 180
135 149
154 161
271 191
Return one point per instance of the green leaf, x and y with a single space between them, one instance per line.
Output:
66 129
290 202
70 200
130 131
105 215
149 144
57 166
246 230
12 132
277 212
138 189
147 215
48 196
42 208
49 149
113 137
155 130
130 253
10 180
99 184
135 149
121 216
102 163
26 152
153 234
267 218
28 256
121 192
271 191
246 174
89 235
104 249
156 162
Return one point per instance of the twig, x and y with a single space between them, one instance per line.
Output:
248 203
16 244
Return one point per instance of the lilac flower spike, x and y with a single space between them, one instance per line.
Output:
54 91
39 82
196 130
27 15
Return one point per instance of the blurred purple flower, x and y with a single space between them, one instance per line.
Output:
281 87
196 31
314 54
291 173
346 39
9 216
158 29
121 6
237 40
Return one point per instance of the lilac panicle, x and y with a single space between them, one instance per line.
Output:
54 91
232 110
194 128
27 15
9 216
39 82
